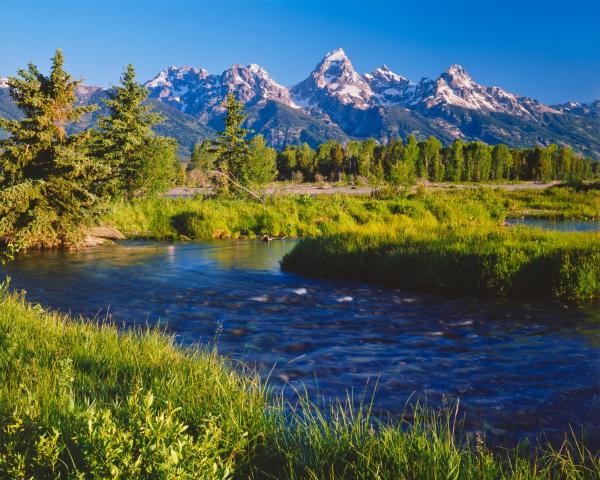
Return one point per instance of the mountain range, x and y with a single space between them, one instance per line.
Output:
337 102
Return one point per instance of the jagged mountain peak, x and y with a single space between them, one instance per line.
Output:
196 92
457 77
334 79
336 55
387 73
168 76
335 68
253 83
388 87
456 88
456 70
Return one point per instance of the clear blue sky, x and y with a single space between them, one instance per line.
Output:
546 49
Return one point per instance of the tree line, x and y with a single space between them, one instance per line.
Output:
404 162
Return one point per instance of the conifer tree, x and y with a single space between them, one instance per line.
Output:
46 173
232 147
140 162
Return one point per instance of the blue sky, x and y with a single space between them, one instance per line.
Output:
546 49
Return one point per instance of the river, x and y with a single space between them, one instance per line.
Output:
520 369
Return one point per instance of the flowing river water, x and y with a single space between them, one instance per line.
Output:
520 369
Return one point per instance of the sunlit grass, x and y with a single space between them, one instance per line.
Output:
82 400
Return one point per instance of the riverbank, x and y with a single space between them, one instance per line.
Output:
306 216
81 398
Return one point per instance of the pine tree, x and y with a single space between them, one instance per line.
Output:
137 158
232 147
46 174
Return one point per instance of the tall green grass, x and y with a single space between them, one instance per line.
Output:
452 259
296 216
80 400
304 216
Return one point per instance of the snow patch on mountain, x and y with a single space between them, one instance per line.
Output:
3 82
388 87
455 87
195 91
333 80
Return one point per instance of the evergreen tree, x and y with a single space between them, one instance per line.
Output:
139 161
46 174
232 147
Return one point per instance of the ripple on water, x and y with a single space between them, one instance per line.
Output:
519 368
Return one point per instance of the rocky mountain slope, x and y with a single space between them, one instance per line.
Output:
336 102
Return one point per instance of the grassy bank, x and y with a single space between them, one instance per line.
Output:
79 400
460 260
301 216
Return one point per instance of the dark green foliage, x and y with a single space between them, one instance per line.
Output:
46 174
139 161
247 163
399 162
231 146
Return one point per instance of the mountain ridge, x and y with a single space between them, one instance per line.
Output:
336 102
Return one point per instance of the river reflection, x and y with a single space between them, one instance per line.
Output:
519 368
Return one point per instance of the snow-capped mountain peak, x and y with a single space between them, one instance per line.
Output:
168 76
253 83
196 92
333 80
456 88
456 76
3 82
388 87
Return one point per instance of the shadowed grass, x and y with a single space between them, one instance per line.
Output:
81 400
483 260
